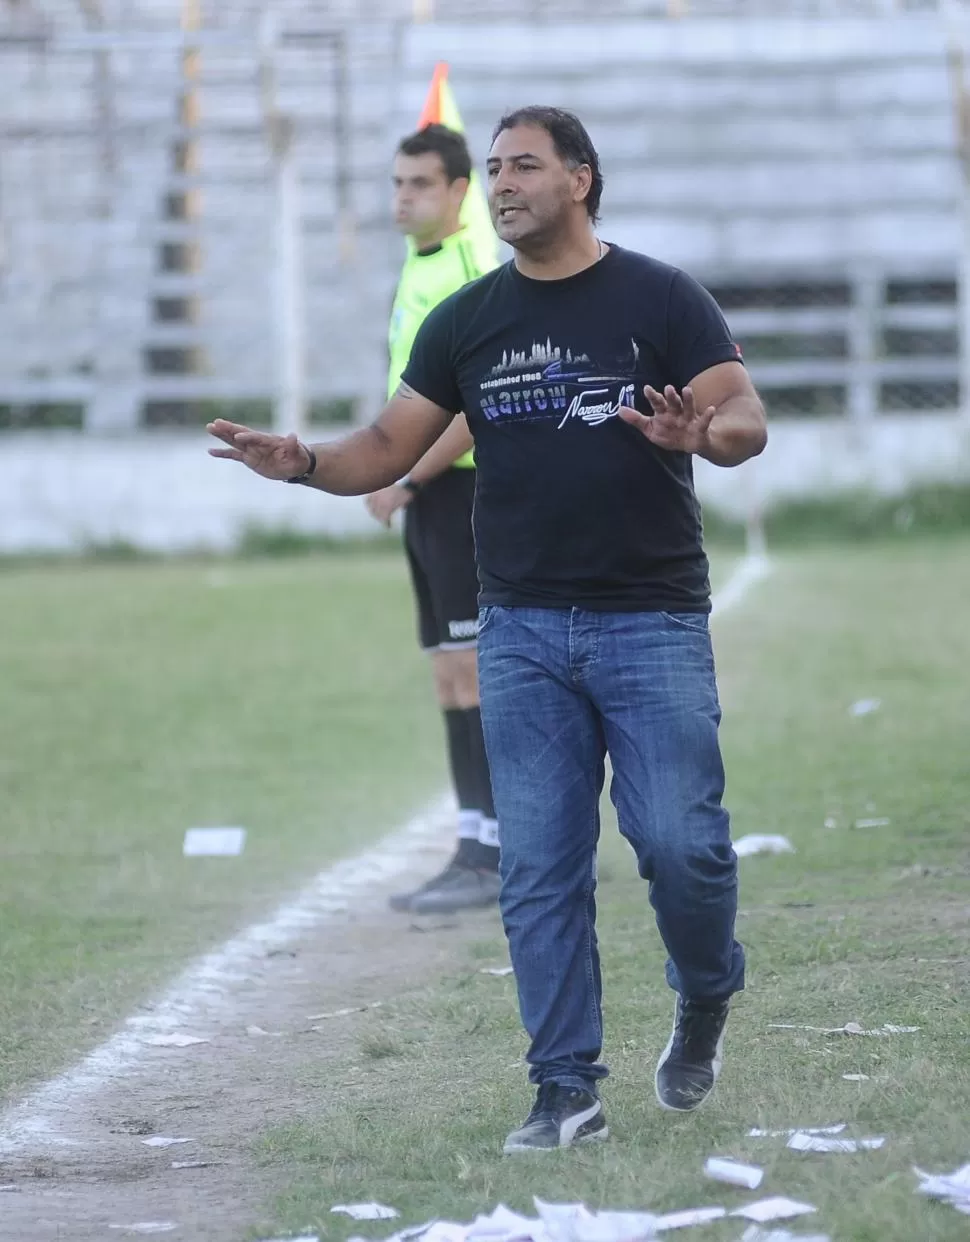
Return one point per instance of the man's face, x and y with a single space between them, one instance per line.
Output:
530 190
424 199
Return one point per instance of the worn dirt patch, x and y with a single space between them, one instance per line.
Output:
92 1171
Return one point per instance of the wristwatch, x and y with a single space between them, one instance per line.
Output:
310 470
409 485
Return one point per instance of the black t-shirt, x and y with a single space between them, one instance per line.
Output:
573 507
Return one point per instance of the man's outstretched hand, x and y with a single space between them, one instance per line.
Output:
274 457
675 423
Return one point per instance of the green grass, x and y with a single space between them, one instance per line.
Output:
867 925
142 699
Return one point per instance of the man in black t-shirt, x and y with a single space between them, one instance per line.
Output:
589 376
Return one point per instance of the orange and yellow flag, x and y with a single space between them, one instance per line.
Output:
440 108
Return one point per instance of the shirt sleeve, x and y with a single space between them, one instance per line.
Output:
697 334
431 367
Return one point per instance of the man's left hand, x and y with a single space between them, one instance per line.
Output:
384 504
675 424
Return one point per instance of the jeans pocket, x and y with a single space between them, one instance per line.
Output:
695 622
486 615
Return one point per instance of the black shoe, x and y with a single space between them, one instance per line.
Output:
689 1065
402 901
560 1117
457 888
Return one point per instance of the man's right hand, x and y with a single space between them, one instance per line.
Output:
274 457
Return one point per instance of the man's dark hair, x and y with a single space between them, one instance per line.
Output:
573 145
445 142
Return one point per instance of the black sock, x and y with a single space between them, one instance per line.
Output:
487 855
464 777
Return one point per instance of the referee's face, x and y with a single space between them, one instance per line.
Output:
424 199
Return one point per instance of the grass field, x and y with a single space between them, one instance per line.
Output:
139 700
866 924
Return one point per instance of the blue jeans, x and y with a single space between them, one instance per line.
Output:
561 688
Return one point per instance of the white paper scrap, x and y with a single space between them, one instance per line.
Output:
758 843
856 1077
163 1140
192 1164
865 707
497 970
366 1211
9 1189
616 1227
798 1130
952 1188
213 842
174 1041
445 1231
876 821
693 1216
723 1169
501 1223
776 1208
816 1142
850 1028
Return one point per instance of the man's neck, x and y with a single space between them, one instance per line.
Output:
433 240
561 257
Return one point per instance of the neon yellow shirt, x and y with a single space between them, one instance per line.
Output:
426 280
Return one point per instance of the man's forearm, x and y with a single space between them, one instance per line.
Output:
358 464
737 431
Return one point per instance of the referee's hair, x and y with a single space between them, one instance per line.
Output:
447 143
569 137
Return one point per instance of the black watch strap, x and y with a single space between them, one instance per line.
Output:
409 485
310 470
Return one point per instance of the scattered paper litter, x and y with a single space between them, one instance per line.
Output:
878 821
174 1040
9 1190
497 970
775 1208
754 1233
952 1188
693 1216
723 1169
798 1130
757 843
366 1211
192 1164
850 1028
213 842
257 1032
148 1226
865 707
342 1013
164 1140
856 1077
817 1142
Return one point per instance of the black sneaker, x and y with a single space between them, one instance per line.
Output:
402 901
458 888
689 1065
560 1117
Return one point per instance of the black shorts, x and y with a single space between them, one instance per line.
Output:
441 555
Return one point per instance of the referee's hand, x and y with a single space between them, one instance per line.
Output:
385 503
274 457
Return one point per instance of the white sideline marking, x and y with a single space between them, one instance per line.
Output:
203 990
749 571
